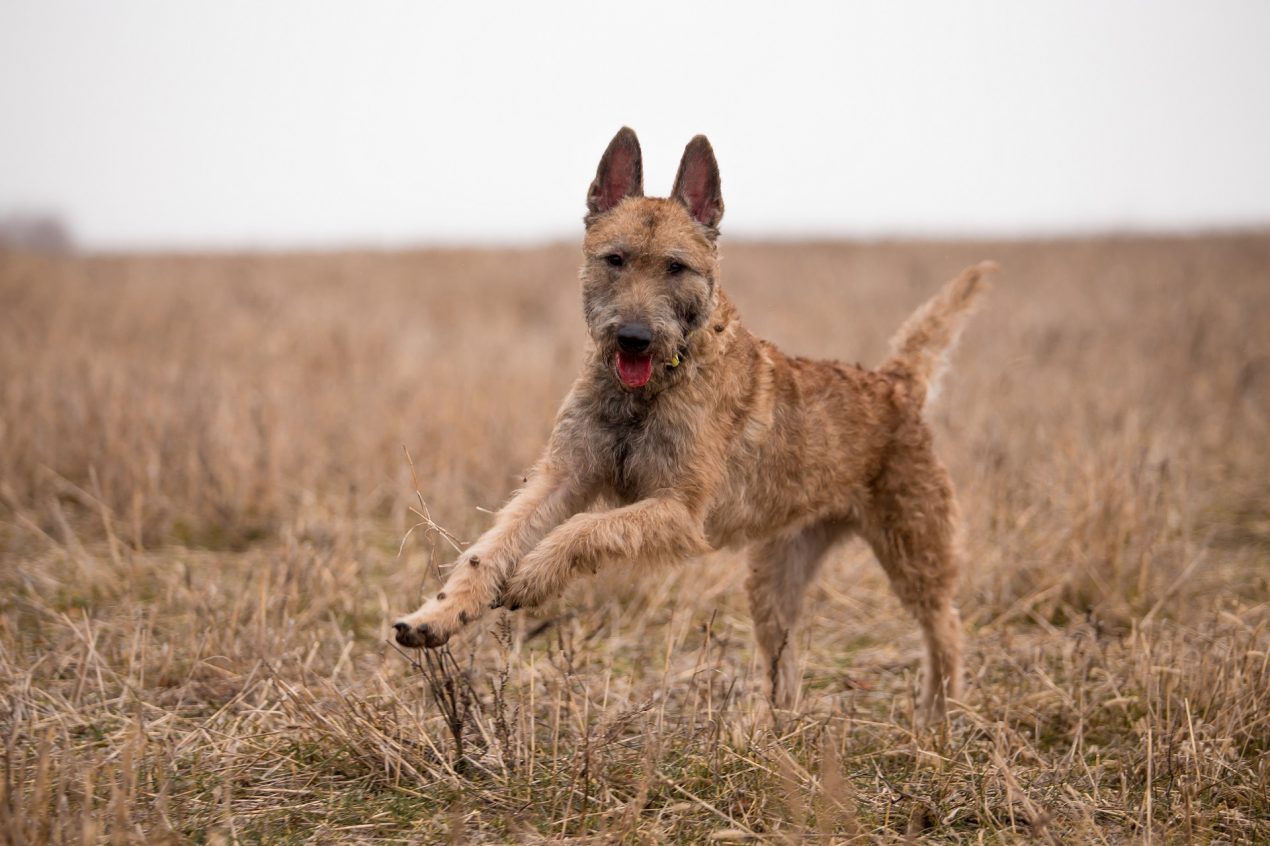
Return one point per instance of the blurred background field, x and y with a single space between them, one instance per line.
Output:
204 493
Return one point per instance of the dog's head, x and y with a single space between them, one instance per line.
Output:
649 277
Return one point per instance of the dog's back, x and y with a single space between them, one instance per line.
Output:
811 436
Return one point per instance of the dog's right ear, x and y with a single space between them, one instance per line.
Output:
620 175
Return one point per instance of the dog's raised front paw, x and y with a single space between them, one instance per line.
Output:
527 587
437 621
419 635
516 594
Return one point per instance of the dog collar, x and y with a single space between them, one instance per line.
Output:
679 356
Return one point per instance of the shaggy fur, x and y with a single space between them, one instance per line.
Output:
730 442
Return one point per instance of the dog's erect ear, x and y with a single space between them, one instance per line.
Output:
620 174
697 184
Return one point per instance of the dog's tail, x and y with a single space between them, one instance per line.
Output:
919 351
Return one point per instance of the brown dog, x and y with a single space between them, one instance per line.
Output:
704 436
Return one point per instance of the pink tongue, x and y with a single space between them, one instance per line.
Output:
634 370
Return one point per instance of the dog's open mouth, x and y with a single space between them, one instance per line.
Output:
634 370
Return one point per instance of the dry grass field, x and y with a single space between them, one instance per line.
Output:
204 493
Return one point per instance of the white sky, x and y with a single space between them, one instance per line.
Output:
183 124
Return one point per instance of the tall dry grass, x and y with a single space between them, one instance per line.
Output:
203 495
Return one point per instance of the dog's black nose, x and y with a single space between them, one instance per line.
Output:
634 337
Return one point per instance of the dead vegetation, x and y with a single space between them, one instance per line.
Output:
203 496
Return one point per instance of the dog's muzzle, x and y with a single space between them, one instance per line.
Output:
634 362
634 338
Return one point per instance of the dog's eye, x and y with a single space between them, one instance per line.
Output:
674 268
614 260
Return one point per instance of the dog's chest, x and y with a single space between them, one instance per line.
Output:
641 453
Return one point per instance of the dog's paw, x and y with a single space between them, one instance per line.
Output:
538 576
514 596
434 624
521 592
419 635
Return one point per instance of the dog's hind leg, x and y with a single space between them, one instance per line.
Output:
911 526
781 568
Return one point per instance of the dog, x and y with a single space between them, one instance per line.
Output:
701 436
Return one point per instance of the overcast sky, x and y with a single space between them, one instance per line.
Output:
276 124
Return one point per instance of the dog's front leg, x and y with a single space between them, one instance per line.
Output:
659 528
477 578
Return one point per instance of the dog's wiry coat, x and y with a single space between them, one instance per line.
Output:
729 441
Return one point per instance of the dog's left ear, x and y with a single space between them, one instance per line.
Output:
697 184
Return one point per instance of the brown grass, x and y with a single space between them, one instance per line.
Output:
203 493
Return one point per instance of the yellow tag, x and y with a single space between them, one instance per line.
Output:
674 362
